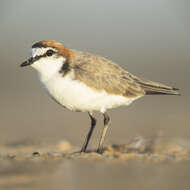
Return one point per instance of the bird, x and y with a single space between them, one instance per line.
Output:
81 81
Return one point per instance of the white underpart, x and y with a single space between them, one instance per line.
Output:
77 96
73 94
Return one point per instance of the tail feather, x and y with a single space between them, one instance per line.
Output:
153 88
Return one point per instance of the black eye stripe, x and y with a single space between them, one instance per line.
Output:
37 57
46 54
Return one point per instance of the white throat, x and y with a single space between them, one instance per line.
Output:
48 66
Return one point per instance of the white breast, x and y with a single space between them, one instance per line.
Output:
77 96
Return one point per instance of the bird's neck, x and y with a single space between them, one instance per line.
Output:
48 68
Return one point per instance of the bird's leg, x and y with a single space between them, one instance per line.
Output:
93 123
106 125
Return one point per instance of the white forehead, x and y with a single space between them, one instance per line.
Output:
39 51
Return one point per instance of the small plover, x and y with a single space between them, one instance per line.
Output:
81 81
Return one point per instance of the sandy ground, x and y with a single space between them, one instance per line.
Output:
145 163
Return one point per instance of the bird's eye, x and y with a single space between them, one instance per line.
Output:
49 52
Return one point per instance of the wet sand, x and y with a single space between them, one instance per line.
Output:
140 163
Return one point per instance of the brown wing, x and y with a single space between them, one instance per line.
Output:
154 88
101 73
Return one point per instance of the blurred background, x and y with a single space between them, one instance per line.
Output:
150 39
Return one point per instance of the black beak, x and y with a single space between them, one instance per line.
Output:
27 62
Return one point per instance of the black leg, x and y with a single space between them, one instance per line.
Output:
106 125
93 123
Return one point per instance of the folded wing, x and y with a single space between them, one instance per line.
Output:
102 74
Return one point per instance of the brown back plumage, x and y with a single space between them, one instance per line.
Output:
100 73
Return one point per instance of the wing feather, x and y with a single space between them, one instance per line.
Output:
103 74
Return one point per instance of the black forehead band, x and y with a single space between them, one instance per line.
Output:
39 45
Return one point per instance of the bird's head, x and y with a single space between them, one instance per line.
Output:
48 57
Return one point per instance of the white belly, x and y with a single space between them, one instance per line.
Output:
77 96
